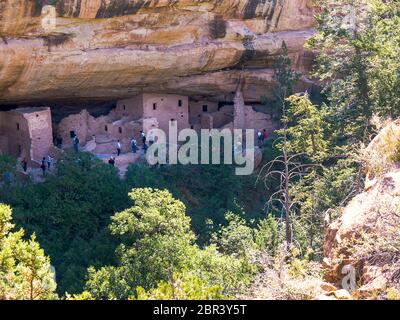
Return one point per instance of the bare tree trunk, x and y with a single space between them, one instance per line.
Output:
286 203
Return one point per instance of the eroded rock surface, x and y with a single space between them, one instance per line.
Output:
366 235
113 49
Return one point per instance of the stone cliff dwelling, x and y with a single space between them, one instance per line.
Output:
142 112
26 133
145 111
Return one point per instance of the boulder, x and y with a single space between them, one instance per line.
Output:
342 294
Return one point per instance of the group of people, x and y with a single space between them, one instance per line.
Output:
262 136
134 145
144 140
46 164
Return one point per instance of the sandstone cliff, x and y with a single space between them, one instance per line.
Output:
111 49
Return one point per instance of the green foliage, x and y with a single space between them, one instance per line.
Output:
358 69
284 76
268 236
148 249
7 164
383 74
71 210
358 64
183 286
306 128
156 243
236 237
208 191
70 213
25 271
229 272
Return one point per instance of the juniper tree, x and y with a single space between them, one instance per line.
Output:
25 271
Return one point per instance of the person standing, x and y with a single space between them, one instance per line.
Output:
145 147
265 136
49 162
118 148
43 166
259 138
143 137
24 165
134 145
151 137
76 143
238 147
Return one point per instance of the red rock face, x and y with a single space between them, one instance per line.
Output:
105 50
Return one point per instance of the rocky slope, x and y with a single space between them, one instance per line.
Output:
111 49
366 236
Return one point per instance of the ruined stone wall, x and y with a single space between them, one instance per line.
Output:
165 107
77 123
258 120
26 133
101 134
98 126
206 121
40 131
3 138
196 110
16 131
223 116
130 107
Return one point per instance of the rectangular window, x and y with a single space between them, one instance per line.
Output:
205 108
179 103
17 126
154 106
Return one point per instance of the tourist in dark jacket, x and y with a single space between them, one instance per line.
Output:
76 143
134 145
43 166
24 165
143 137
111 161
